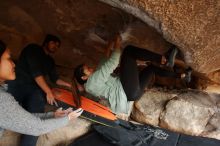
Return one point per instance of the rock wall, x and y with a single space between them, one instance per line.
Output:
194 26
84 27
189 111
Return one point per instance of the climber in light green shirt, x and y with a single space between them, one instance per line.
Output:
130 84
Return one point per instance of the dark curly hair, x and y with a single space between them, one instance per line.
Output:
50 37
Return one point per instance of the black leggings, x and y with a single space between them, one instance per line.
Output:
133 81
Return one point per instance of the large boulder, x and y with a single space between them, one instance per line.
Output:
191 112
148 109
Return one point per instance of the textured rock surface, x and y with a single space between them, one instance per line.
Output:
212 129
10 138
190 112
84 26
187 113
150 106
62 136
194 26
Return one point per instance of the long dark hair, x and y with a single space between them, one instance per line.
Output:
78 73
2 48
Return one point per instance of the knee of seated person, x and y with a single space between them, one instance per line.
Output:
37 98
133 96
38 93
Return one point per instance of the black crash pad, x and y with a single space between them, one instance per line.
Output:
186 140
94 139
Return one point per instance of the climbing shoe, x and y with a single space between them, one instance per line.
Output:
187 75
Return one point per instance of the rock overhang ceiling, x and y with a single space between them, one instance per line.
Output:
84 27
194 26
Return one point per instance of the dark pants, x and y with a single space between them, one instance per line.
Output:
31 98
133 81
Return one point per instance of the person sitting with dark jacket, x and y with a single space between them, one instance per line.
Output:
15 118
34 64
